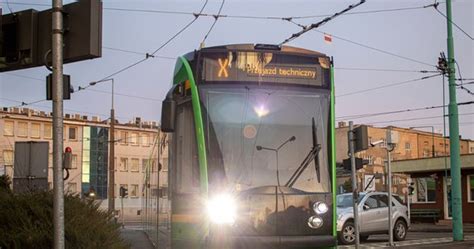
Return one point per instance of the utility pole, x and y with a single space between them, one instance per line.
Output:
57 59
455 157
355 193
390 148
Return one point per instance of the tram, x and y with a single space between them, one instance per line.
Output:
251 150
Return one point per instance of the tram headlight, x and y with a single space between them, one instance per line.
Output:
315 222
320 207
222 209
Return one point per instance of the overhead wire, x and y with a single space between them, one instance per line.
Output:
451 21
216 17
384 70
138 53
460 77
388 85
419 118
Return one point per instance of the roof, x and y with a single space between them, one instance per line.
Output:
430 164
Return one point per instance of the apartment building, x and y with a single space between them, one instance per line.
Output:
136 154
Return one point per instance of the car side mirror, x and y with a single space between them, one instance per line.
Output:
366 207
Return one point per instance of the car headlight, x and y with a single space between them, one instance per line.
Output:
221 209
320 207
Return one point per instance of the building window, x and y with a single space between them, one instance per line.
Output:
123 164
133 190
22 129
134 165
426 153
145 164
9 128
425 190
72 187
470 188
72 133
74 161
134 139
124 137
35 130
407 146
8 157
48 131
145 140
154 165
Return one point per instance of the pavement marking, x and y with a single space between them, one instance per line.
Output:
408 242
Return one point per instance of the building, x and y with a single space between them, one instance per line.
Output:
432 184
412 144
136 154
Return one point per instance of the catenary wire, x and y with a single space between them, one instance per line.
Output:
460 77
216 17
449 20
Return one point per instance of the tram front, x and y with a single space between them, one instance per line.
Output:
265 126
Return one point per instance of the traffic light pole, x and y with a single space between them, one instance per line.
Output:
390 148
57 59
455 157
355 193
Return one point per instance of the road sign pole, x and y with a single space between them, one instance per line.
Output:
355 194
455 157
57 59
390 147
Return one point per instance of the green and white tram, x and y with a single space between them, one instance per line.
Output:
251 150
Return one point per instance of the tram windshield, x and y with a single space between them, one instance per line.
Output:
267 136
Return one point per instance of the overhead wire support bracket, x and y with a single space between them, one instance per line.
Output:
318 24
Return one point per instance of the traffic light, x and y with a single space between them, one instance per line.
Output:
361 138
358 161
67 158
411 189
123 192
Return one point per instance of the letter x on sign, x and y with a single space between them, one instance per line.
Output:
223 68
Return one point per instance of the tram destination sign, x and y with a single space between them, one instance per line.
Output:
265 67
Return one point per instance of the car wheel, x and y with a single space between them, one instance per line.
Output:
347 235
400 230
364 237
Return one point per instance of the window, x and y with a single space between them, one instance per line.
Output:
154 165
426 143
470 188
124 137
407 146
74 161
9 128
35 130
8 157
145 140
22 129
123 164
48 131
134 139
134 190
145 165
425 190
134 164
72 187
72 133
426 153
371 202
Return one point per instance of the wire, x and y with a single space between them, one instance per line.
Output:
125 95
384 70
388 85
449 20
460 77
399 111
375 49
216 17
139 53
320 23
9 8
420 118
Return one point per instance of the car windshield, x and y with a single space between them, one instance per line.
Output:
344 201
261 136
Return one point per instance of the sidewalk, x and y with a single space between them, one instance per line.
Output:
438 228
136 238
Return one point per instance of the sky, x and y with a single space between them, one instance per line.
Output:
413 37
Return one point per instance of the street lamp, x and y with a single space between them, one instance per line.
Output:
432 137
111 190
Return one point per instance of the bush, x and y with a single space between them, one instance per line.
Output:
26 221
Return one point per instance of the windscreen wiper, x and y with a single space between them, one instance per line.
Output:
312 155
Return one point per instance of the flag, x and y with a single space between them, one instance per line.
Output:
328 38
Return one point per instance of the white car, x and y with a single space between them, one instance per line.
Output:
373 216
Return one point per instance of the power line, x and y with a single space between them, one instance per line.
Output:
216 17
139 53
125 95
357 116
384 70
320 23
460 77
388 85
376 49
412 119
449 20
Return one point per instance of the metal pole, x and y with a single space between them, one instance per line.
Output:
432 140
389 182
111 196
355 193
57 53
454 135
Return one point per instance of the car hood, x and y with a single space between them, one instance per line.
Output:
344 210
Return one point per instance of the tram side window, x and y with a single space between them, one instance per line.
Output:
187 158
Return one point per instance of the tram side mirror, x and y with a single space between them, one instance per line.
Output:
168 115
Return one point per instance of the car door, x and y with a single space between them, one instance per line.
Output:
382 224
370 215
